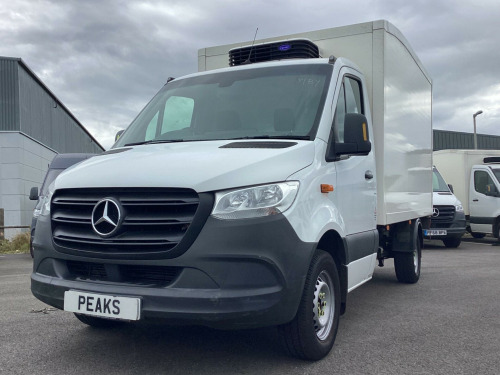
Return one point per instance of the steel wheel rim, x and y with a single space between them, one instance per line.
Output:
323 306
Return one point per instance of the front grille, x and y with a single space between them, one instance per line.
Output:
154 220
293 49
445 217
158 276
87 270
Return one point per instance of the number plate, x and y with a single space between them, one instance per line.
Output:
126 308
435 232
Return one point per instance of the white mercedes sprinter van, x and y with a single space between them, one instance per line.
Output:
259 194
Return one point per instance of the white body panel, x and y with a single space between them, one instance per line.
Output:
355 196
202 166
400 93
447 199
360 271
456 166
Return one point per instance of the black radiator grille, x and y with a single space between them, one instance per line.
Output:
293 49
154 220
445 217
158 276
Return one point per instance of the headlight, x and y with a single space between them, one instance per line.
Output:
459 208
45 210
256 201
38 209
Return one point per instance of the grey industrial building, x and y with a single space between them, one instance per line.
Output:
34 126
445 139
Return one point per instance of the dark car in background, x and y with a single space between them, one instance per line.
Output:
58 164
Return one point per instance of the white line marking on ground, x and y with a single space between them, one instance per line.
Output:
18 274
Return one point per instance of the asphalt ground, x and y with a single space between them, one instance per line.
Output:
448 323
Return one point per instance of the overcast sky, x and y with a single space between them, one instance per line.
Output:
105 59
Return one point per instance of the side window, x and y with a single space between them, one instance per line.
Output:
353 95
178 114
349 101
338 125
483 183
435 182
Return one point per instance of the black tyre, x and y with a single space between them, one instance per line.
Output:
477 235
311 334
97 322
407 264
452 242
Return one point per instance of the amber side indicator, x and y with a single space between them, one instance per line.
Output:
325 188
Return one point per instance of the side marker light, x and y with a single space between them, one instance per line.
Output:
325 188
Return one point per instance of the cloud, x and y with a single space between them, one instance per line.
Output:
106 59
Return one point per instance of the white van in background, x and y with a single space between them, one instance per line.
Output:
448 217
475 177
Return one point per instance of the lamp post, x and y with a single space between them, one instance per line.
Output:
475 135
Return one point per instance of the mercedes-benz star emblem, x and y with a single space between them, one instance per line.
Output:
435 212
106 217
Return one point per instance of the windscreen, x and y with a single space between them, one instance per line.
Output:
271 102
438 183
496 172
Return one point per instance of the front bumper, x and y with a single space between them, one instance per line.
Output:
454 229
236 274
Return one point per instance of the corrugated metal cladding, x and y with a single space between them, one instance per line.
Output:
444 139
9 114
43 118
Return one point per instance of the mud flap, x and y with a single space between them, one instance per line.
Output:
403 236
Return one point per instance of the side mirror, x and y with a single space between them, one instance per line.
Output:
356 137
450 186
34 193
491 190
117 136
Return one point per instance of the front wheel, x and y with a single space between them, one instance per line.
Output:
477 235
452 242
311 334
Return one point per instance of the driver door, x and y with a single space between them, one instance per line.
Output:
483 201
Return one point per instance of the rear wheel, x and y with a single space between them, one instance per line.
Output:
477 235
452 242
97 322
311 334
407 264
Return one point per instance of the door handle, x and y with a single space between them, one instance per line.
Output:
368 175
475 200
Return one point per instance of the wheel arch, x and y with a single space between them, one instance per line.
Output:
334 244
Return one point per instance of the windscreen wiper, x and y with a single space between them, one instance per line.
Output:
153 141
